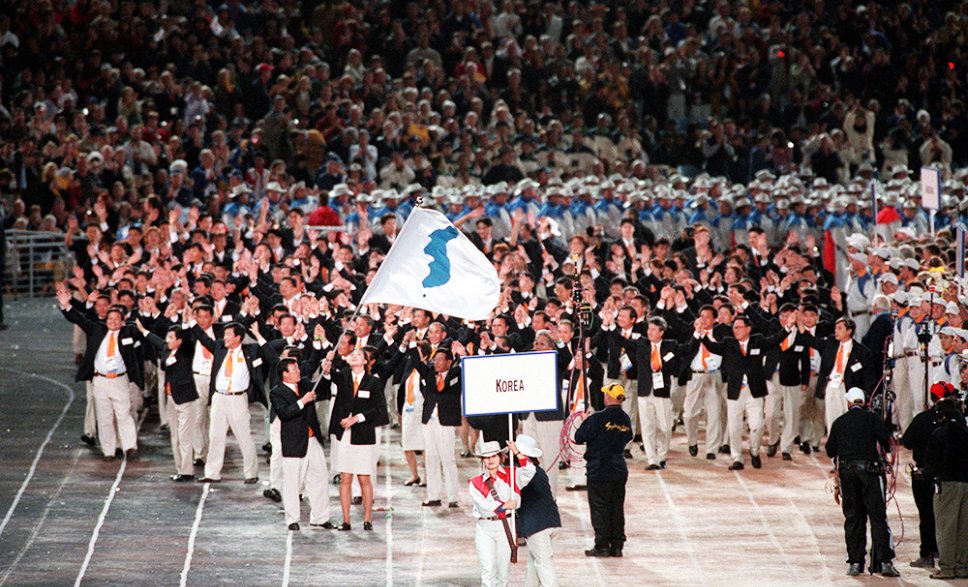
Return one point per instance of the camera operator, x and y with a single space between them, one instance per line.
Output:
916 438
852 443
947 461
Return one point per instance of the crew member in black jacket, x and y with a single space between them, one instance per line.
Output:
852 442
538 517
606 433
176 359
303 460
110 362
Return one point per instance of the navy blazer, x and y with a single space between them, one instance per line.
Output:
178 368
538 508
295 422
368 401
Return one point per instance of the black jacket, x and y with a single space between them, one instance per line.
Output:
947 457
538 508
295 422
606 433
257 358
670 353
447 401
369 402
857 369
179 379
736 364
129 339
854 436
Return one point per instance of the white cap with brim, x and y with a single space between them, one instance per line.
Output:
489 449
528 446
856 395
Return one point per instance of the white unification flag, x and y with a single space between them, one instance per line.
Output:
434 266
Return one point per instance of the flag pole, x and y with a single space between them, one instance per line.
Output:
514 532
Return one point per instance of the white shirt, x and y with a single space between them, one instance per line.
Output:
201 364
713 362
113 364
240 373
485 506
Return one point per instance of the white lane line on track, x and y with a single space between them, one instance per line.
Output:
183 581
40 451
764 522
288 565
104 512
674 511
389 514
40 522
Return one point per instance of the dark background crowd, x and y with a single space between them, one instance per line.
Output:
117 98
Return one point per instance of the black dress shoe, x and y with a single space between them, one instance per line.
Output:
627 453
562 465
431 503
662 464
736 466
207 480
108 458
367 526
805 448
267 447
815 449
711 456
724 449
344 527
465 454
294 527
336 479
327 525
181 478
755 460
597 552
453 505
578 487
693 450
771 449
251 481
272 494
652 467
888 570
855 569
199 462
132 454
358 500
410 482
615 552
88 440
787 457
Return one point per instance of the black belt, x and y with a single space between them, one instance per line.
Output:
864 313
865 466
492 519
231 393
202 374
701 372
110 375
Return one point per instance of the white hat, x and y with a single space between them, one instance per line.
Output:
889 278
340 189
489 448
952 308
856 395
239 190
883 252
859 257
858 241
948 331
274 186
528 446
911 264
900 297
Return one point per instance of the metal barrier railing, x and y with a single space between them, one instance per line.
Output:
35 262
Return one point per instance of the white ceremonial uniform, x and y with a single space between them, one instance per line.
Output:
705 391
202 370
230 410
112 395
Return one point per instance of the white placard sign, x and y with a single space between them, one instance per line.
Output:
930 188
510 384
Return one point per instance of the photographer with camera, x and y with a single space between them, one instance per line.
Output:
946 460
916 438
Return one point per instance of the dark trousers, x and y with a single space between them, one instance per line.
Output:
924 499
606 500
862 497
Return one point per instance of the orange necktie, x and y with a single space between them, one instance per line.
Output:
656 361
410 379
228 367
112 344
440 382
742 348
579 400
785 344
839 366
356 386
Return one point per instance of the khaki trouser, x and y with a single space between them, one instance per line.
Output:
752 407
308 473
181 426
230 412
705 392
112 398
951 526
